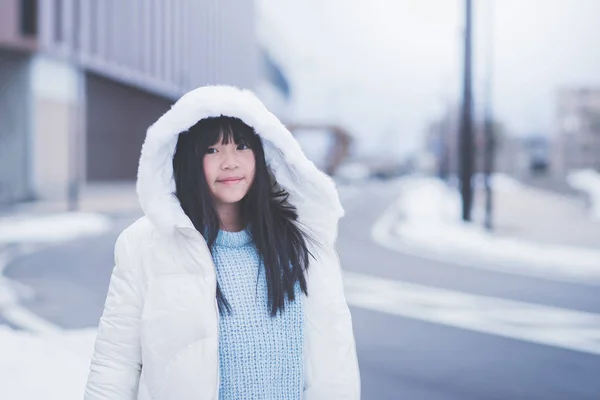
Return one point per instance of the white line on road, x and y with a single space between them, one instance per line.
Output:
383 234
567 329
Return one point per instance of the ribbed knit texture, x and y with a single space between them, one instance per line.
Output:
261 358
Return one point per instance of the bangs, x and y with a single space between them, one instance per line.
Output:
228 130
210 131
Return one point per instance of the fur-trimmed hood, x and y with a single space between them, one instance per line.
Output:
311 191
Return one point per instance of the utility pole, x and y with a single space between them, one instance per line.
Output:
490 140
77 127
443 156
466 123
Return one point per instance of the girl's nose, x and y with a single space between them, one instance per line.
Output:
229 160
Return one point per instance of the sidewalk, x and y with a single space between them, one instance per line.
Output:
104 198
537 233
538 215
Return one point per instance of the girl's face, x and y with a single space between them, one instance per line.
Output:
229 170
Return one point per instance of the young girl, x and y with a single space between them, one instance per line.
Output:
229 287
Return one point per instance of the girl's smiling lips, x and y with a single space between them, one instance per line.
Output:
231 180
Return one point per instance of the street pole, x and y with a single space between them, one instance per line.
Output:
78 121
443 151
443 156
466 124
489 120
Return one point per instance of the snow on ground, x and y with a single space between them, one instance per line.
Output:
49 366
429 218
588 181
51 228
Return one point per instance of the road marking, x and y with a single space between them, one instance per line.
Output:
535 323
383 233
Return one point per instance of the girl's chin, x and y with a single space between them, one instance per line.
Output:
230 199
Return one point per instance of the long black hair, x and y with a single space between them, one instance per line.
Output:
265 210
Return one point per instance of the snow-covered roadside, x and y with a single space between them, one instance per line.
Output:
51 228
44 366
50 366
588 181
425 220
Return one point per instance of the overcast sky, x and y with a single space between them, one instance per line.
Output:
385 68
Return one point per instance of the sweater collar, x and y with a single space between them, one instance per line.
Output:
233 239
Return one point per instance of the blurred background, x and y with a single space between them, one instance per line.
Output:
463 135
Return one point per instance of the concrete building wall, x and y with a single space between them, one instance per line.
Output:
164 47
55 111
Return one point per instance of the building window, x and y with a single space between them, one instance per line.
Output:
29 14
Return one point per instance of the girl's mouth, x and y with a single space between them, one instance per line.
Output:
230 181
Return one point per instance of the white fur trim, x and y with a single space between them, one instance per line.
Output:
312 192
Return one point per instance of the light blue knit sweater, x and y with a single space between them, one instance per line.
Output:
260 357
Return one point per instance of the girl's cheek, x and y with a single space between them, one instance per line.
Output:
251 160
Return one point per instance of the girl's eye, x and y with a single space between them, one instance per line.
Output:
243 146
211 150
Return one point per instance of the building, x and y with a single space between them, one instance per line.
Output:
577 136
442 140
81 80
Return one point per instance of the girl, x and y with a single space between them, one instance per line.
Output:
229 287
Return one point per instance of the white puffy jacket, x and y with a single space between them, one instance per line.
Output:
160 319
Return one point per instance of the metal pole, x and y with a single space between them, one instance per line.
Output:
489 120
466 125
444 168
77 128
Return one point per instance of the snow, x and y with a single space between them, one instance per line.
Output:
51 228
430 220
49 366
588 181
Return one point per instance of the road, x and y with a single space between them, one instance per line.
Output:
409 358
425 329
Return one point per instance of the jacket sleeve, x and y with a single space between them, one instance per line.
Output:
331 368
116 363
